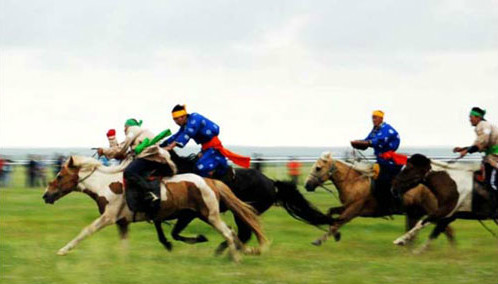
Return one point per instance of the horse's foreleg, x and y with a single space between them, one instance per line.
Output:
183 220
349 213
160 235
96 225
404 239
122 225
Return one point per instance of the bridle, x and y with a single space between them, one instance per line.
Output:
82 179
333 168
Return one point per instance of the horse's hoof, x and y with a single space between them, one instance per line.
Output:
399 242
62 252
337 237
252 251
201 239
219 250
168 246
235 257
316 243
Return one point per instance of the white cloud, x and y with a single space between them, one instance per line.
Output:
279 73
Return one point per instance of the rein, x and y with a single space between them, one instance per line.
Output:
83 179
330 172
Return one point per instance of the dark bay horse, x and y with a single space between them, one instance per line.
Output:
257 190
178 193
354 187
454 192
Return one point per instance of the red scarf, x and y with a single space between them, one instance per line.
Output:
398 159
215 143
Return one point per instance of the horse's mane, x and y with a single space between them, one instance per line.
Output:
363 168
89 163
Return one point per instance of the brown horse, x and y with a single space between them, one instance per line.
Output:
180 192
455 194
354 186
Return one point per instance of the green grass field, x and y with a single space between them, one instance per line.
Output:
31 232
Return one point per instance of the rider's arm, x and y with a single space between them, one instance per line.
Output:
186 132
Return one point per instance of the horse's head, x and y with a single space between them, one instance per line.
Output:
65 182
412 174
183 164
320 172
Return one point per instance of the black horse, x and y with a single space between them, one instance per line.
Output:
255 189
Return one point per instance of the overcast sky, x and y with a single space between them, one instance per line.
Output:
270 73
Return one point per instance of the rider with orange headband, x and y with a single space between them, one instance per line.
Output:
384 139
213 159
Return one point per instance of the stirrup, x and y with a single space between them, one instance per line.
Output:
153 196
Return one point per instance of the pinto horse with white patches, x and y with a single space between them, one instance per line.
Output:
454 193
180 192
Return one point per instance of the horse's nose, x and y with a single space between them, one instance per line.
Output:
309 186
47 198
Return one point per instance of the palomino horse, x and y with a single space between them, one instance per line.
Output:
254 188
455 193
180 192
354 186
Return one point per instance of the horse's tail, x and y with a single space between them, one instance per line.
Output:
243 211
297 206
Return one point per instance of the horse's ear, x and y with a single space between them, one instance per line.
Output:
70 163
326 155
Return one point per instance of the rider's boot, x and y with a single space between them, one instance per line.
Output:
493 198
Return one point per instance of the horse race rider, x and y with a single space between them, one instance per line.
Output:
385 140
486 141
213 157
147 161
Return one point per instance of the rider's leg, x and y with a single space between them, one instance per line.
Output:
133 193
211 162
137 185
491 175
382 190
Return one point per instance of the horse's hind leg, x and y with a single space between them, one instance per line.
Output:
183 220
243 234
160 235
215 220
450 235
440 227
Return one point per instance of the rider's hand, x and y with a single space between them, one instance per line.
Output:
360 144
170 146
111 132
463 152
100 152
458 149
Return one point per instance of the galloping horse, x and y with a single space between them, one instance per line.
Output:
354 186
455 193
180 192
254 188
